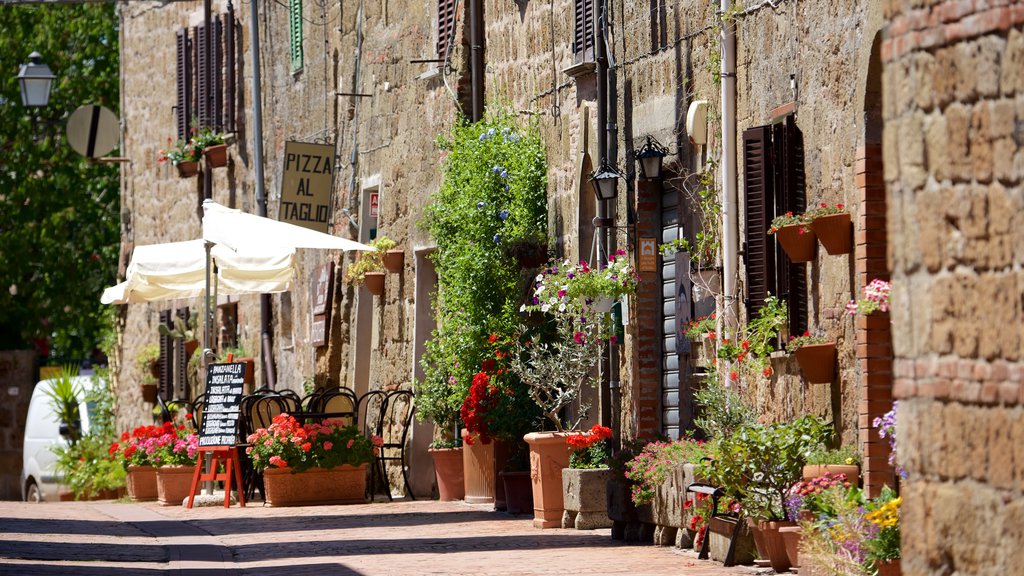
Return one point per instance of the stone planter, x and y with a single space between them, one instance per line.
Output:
719 534
798 241
449 473
835 232
817 362
173 484
518 492
341 485
586 507
549 455
669 511
141 483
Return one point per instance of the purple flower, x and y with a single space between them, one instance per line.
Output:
503 215
497 239
481 204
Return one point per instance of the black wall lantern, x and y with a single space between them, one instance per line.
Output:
35 79
605 181
650 156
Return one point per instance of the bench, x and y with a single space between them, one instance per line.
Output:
715 493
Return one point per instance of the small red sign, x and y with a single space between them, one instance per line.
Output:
374 204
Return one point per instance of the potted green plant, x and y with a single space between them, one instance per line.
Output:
816 356
368 268
213 147
795 236
832 226
184 329
182 155
822 460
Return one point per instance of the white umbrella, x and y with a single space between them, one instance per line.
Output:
242 231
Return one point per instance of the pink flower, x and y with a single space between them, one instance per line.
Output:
376 440
328 445
350 442
278 461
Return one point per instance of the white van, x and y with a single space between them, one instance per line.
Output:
43 431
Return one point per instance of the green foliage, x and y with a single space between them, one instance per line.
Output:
369 260
493 197
846 455
797 342
59 212
180 151
697 328
87 466
705 249
65 396
758 464
183 329
721 411
763 330
656 461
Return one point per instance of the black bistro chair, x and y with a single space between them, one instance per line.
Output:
392 424
256 411
338 403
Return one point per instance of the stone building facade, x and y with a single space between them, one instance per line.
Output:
371 81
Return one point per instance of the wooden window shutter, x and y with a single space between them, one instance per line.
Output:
184 83
790 197
230 70
165 385
180 362
445 26
295 33
759 182
204 90
583 30
217 117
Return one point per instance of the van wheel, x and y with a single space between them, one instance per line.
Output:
32 493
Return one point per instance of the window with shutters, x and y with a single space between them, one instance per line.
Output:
773 175
206 70
165 386
583 31
445 26
295 33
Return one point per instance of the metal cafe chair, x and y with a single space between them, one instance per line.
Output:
392 425
258 410
339 403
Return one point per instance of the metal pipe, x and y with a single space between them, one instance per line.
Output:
476 63
266 311
730 213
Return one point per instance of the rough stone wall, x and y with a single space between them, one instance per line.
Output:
953 162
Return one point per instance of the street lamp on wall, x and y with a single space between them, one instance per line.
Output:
605 182
35 80
650 157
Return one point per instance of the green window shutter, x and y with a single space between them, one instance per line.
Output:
295 33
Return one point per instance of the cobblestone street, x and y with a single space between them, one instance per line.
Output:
424 537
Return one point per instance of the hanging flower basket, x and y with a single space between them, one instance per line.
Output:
798 241
188 168
394 260
835 232
374 282
817 362
216 155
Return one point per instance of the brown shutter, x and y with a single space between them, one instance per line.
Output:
759 183
166 355
791 197
218 76
583 30
445 26
203 91
184 83
180 362
230 70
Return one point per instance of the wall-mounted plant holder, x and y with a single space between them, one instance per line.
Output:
817 362
394 260
798 241
188 168
835 232
216 155
374 282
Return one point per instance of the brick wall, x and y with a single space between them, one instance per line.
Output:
953 109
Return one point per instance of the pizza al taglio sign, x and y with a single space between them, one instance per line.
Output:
307 185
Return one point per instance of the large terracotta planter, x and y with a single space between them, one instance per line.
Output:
770 544
835 232
481 464
449 473
173 484
141 483
798 241
341 485
549 455
852 471
519 492
216 155
889 568
374 282
817 362
583 491
394 260
791 540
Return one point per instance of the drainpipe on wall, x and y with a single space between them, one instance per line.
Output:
610 395
601 56
476 61
266 312
730 212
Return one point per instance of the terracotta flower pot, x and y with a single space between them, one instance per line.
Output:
518 492
481 464
173 484
188 168
798 241
889 568
149 393
791 540
216 155
818 362
770 544
374 282
394 260
341 485
586 507
141 483
549 455
449 473
852 471
835 232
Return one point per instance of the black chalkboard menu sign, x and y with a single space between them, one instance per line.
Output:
220 405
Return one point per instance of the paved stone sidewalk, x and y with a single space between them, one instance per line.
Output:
403 538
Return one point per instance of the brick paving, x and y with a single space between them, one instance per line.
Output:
405 538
